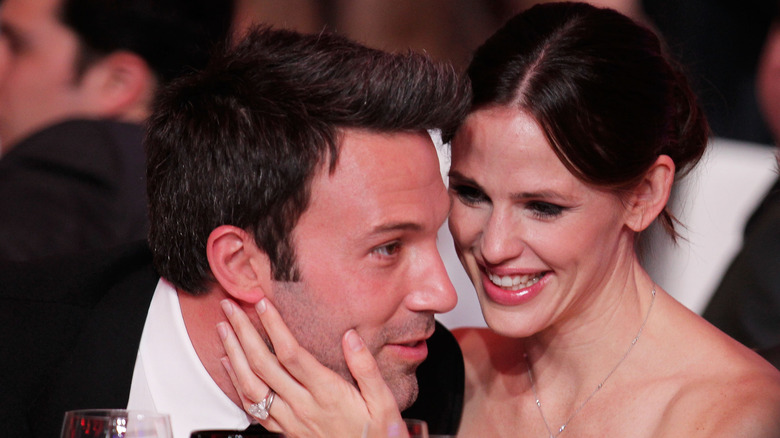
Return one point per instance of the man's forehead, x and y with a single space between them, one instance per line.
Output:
382 159
381 176
372 149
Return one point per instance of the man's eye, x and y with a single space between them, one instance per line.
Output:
388 250
545 210
468 195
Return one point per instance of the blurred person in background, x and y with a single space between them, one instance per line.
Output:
720 44
77 79
746 304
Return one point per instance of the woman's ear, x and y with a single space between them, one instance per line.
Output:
239 266
648 199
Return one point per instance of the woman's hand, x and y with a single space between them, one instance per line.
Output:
311 400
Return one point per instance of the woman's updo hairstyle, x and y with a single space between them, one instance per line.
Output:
603 91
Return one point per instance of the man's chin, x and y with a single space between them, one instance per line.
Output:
405 390
403 384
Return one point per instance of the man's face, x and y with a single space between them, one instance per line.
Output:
38 85
366 251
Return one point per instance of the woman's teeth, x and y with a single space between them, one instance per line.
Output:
515 282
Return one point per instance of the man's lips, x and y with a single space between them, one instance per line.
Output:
410 343
416 352
411 340
412 349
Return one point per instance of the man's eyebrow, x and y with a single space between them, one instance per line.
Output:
395 226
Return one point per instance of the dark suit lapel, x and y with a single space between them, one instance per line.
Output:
99 370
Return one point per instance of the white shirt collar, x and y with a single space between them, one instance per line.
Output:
170 378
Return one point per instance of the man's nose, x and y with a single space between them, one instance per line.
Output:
432 290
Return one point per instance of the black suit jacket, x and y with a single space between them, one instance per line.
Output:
71 333
77 185
746 304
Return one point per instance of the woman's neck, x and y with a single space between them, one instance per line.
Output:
585 345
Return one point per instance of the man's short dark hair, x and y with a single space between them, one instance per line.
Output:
172 36
240 142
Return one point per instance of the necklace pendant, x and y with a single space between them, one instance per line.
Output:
600 385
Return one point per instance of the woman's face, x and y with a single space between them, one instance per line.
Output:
535 240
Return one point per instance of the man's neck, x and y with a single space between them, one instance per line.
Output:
201 314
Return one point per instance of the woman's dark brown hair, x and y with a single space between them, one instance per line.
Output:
608 98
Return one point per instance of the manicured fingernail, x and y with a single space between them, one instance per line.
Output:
222 330
227 307
260 306
226 364
354 341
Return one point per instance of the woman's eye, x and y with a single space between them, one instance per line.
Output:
545 210
469 195
388 250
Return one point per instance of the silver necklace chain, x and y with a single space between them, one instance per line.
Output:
600 385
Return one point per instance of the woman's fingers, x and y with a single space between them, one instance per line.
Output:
269 423
381 404
249 386
296 360
252 349
252 367
342 409
312 400
379 399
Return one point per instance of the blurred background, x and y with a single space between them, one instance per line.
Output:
719 41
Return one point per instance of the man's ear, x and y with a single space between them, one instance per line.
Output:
238 265
648 199
120 86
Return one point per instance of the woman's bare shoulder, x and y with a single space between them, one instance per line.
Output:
730 391
745 402
712 385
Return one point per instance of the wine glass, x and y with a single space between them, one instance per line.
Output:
416 428
233 434
115 423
